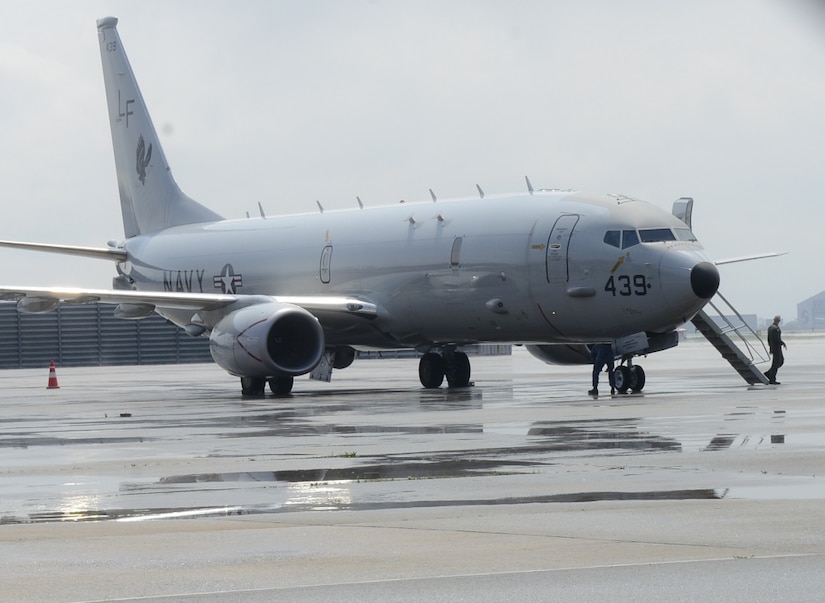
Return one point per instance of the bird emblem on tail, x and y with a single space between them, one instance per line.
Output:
144 155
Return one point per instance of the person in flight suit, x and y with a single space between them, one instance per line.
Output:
602 355
775 345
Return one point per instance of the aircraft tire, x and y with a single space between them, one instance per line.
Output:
281 386
457 370
637 378
431 370
621 379
252 387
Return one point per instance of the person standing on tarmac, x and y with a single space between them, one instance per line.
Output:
775 345
602 355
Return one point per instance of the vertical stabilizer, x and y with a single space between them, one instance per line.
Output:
150 199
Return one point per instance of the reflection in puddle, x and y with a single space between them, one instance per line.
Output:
188 461
720 442
335 498
420 470
601 435
726 441
296 429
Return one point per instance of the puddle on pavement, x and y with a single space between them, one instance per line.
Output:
399 471
524 448
601 435
348 505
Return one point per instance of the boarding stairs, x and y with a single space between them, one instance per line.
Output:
728 330
738 343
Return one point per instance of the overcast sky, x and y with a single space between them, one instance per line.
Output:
289 102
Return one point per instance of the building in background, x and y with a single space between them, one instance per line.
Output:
90 335
810 314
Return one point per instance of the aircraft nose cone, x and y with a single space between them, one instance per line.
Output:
704 280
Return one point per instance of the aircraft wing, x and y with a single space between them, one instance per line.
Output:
41 299
106 253
184 301
748 258
330 305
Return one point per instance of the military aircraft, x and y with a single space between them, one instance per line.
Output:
284 296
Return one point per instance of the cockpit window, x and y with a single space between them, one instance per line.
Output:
629 238
621 238
656 235
613 238
685 234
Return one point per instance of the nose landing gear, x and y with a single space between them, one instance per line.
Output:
629 377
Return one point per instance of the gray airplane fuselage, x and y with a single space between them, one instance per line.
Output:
517 268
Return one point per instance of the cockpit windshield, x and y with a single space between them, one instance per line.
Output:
613 238
621 238
685 234
656 235
628 238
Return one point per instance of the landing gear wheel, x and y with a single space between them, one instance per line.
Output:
457 369
637 378
252 387
281 386
621 379
431 370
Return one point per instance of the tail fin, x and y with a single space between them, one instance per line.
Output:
150 199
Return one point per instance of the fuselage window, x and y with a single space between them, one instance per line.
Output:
629 238
685 234
656 235
613 238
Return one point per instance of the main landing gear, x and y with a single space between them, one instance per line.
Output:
253 387
434 367
628 377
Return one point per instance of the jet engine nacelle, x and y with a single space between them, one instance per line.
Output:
572 353
267 340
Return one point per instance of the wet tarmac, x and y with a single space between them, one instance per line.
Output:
162 482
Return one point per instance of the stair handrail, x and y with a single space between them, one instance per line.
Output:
753 351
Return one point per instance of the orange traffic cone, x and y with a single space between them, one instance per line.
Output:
52 377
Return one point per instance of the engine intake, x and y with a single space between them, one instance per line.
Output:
267 340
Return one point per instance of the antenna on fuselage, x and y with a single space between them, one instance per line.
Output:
360 205
480 192
320 207
261 210
529 185
432 194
